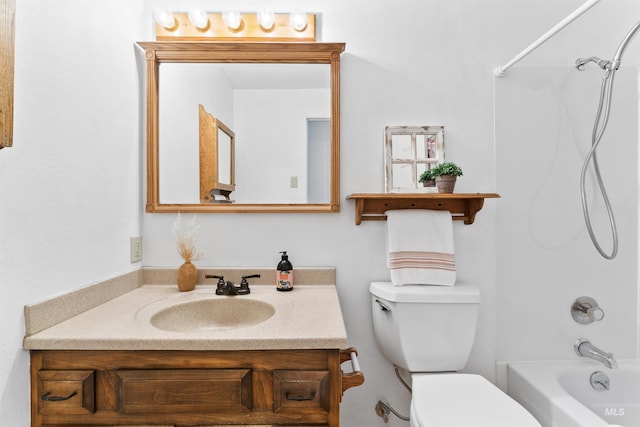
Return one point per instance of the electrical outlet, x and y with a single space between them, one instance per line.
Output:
136 249
294 182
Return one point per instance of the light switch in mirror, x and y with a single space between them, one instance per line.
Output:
409 151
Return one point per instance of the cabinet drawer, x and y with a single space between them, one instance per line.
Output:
184 391
66 392
300 390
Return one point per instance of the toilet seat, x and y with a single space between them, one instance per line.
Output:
463 400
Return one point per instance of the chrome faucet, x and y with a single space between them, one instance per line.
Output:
584 348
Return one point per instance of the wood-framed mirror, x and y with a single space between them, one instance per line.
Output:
172 116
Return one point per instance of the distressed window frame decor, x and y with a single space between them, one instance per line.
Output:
411 157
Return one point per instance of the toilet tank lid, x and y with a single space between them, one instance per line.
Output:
459 294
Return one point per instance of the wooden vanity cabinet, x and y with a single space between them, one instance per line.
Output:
188 388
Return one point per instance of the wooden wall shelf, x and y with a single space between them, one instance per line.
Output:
463 206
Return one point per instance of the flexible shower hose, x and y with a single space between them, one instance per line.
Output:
599 126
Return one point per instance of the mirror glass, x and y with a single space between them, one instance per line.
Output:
280 150
225 158
409 151
267 106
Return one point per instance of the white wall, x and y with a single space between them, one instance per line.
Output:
70 187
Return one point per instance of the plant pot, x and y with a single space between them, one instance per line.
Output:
446 183
187 275
429 183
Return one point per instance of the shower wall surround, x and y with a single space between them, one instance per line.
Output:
544 119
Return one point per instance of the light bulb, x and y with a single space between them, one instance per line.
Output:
267 19
164 18
298 20
232 19
199 18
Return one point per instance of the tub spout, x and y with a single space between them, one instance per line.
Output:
584 348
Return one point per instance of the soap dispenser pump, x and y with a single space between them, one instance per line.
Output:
284 273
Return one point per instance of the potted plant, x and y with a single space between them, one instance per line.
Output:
427 178
446 174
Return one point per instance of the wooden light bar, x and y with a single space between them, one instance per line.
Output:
249 30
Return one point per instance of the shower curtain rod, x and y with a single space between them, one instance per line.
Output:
533 46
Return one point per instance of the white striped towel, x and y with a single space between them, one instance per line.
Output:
420 247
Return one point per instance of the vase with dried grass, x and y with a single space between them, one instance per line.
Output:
186 245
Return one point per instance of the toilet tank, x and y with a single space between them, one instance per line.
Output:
424 328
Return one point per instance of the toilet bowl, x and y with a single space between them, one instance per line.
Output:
429 331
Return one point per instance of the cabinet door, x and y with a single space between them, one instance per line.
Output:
183 391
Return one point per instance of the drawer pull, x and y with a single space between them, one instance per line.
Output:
49 398
300 398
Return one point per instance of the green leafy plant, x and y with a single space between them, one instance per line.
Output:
427 176
447 168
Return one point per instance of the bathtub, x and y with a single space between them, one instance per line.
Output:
559 393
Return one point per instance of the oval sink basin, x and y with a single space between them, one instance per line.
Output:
212 314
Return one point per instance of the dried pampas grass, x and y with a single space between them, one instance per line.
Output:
186 240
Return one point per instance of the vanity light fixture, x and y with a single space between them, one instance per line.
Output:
164 18
298 20
232 19
266 18
231 26
199 18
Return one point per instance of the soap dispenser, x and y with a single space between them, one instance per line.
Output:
284 273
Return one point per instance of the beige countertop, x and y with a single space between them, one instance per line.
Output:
306 318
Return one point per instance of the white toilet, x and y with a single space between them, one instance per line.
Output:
429 331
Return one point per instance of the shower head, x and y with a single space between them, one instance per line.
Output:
602 63
617 58
613 64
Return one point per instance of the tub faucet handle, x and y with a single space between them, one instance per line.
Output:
585 310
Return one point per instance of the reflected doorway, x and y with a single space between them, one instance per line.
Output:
318 159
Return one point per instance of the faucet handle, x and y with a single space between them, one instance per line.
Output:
585 310
251 276
244 284
596 313
220 279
